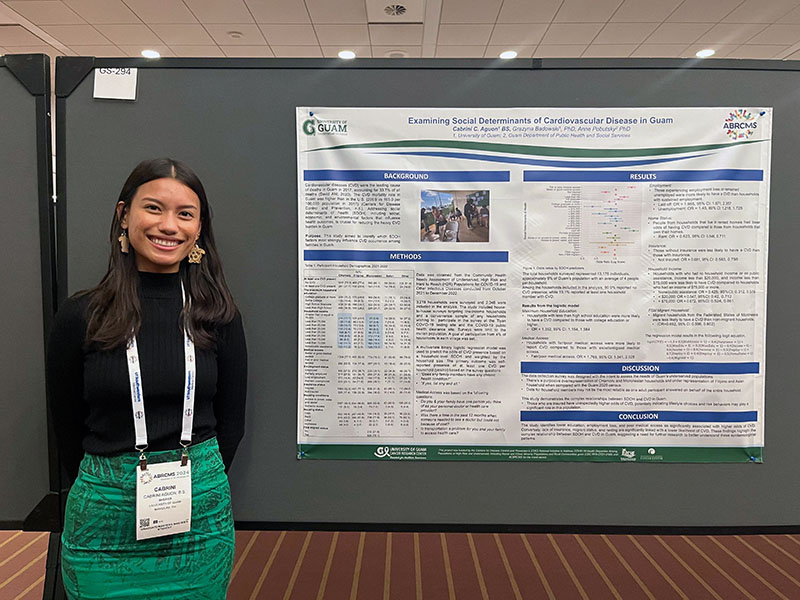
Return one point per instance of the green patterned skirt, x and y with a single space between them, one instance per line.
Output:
100 557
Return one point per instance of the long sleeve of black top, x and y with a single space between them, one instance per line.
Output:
90 395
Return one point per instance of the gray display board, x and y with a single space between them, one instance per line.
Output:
23 413
233 121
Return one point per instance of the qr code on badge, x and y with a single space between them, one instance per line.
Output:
144 522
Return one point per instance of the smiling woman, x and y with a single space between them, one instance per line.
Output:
150 367
162 223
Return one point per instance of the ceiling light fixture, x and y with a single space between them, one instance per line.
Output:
508 54
706 53
236 35
150 54
347 54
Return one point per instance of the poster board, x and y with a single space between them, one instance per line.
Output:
26 271
237 130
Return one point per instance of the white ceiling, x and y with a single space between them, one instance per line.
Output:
761 29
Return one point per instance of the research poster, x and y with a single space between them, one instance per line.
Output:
532 284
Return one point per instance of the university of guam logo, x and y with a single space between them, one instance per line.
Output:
310 124
313 125
741 124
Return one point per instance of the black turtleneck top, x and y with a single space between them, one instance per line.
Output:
90 392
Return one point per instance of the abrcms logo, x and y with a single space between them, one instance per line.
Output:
741 124
316 126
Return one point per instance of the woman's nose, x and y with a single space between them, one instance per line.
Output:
168 223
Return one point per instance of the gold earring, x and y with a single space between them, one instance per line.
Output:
196 254
124 242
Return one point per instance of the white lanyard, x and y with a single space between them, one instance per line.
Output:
137 398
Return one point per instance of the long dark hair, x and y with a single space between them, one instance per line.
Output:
114 310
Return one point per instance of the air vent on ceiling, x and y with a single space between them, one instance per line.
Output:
395 10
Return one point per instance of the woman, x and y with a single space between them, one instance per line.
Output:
147 376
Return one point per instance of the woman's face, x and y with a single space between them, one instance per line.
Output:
163 223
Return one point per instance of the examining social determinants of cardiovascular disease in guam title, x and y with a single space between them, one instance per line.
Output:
532 284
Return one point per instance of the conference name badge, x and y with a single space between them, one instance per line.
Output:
163 500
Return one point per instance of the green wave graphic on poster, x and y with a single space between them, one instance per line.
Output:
538 150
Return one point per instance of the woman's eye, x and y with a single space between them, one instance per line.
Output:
187 214
151 207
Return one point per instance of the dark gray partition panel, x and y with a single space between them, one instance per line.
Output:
26 278
233 120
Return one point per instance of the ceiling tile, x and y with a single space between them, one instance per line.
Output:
100 51
127 34
703 11
339 12
791 17
759 11
39 49
216 11
46 13
76 34
521 33
525 11
625 33
414 12
522 51
297 51
289 35
673 33
192 51
559 50
571 33
659 51
247 51
409 34
182 34
464 35
331 35
460 51
733 33
586 11
161 11
103 11
136 50
777 34
236 34
278 11
470 11
758 51
642 11
721 50
16 35
2 51
384 51
333 51
609 50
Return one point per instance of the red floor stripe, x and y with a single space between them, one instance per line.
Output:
340 579
465 579
310 575
746 580
403 582
250 571
556 574
495 577
434 580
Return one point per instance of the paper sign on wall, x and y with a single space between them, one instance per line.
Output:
115 83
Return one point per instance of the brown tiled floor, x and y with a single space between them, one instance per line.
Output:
304 565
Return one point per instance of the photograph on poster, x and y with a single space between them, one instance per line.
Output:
454 216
